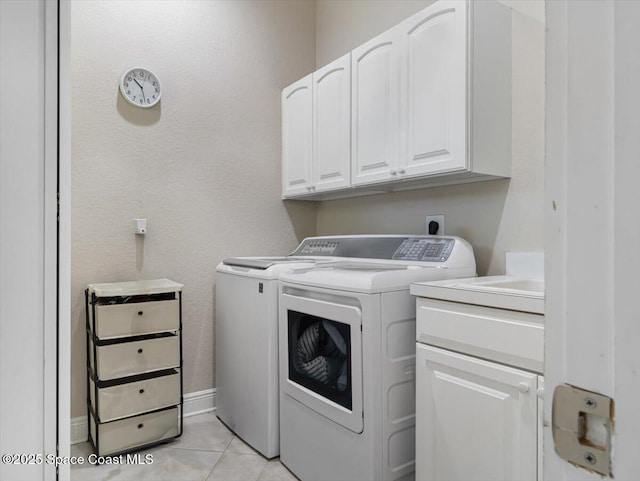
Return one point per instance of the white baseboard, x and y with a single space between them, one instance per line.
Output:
79 430
199 402
194 403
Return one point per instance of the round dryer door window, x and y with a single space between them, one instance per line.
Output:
320 357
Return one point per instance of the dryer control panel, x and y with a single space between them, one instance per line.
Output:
424 250
387 247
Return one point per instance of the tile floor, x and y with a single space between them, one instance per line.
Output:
207 451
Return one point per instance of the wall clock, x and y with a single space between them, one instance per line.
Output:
140 87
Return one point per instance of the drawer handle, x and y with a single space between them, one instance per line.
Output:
140 426
140 351
140 313
141 391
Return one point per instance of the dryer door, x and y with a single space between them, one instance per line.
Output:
321 357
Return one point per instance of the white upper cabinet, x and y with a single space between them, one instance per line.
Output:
434 90
430 105
297 149
332 126
375 109
316 131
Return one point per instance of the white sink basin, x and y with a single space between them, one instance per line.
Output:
504 292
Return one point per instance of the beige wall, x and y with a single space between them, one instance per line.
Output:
497 216
203 167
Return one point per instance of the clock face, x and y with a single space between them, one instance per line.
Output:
140 87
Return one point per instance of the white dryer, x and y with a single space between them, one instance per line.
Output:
347 356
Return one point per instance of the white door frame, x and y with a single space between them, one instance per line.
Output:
51 302
57 311
64 237
592 223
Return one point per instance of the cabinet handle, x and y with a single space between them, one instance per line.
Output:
140 426
540 392
140 351
141 391
392 172
523 387
140 313
400 171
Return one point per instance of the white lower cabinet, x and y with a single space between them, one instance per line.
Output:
477 420
479 384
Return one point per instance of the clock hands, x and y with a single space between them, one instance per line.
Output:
141 89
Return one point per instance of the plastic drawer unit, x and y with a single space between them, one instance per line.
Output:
134 364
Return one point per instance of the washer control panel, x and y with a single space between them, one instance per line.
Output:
424 250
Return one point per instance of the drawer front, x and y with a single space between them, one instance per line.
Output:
511 337
133 398
122 320
138 357
129 433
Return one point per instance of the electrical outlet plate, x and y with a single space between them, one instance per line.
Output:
439 218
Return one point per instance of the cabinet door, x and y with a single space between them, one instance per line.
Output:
332 125
375 109
475 420
434 89
296 137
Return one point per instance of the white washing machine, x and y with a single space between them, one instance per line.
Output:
246 349
347 356
246 345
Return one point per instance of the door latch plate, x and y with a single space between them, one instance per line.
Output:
582 423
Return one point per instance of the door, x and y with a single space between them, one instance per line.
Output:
475 420
375 102
29 255
592 171
321 357
434 89
332 126
297 149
